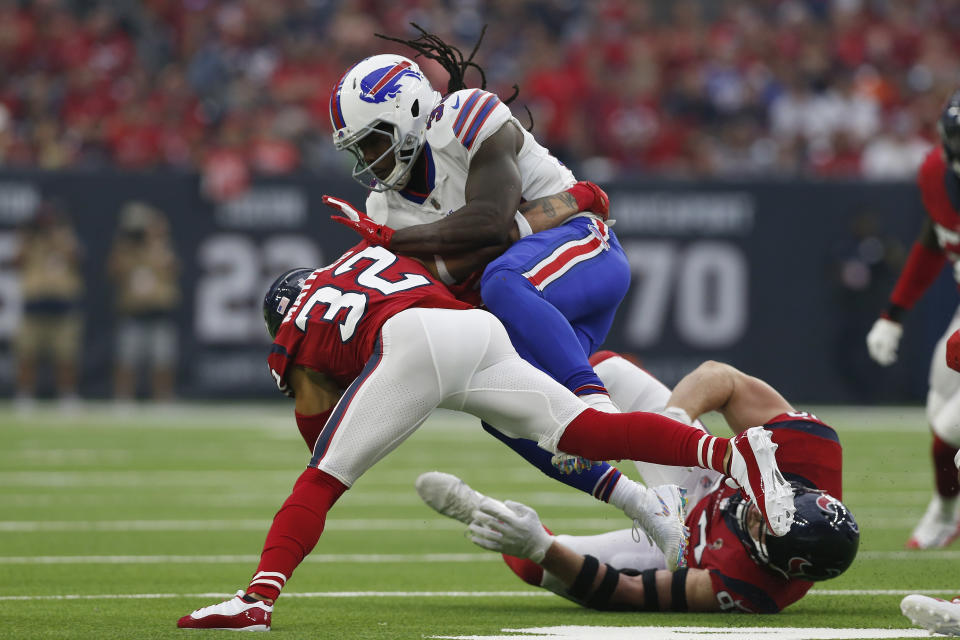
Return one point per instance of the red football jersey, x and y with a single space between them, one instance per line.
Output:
808 451
940 193
334 323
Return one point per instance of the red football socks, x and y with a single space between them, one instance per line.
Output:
648 437
944 471
295 530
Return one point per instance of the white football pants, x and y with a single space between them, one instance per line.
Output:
430 358
943 398
633 389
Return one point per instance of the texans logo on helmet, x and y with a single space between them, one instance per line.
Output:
827 504
798 566
382 84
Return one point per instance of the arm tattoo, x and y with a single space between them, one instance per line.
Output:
549 205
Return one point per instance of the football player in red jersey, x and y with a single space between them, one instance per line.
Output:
386 327
938 242
734 564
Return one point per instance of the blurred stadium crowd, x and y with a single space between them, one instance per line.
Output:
685 88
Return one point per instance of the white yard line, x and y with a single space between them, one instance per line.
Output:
347 524
425 594
367 558
347 558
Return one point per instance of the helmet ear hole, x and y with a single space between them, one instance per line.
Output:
415 108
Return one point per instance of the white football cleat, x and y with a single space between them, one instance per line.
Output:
235 614
938 527
448 495
754 467
660 512
933 614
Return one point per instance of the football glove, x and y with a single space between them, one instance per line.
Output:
510 528
883 341
360 222
591 198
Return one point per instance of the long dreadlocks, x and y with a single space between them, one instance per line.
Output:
450 58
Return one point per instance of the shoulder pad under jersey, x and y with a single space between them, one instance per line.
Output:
376 207
466 117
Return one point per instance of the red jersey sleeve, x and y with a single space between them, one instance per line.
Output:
924 264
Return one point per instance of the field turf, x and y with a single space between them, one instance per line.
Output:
114 523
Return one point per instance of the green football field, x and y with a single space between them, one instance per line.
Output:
114 524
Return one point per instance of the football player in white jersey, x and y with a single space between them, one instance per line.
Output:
446 176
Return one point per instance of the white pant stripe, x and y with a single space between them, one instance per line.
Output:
700 450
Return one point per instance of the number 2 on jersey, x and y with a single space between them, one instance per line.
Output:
355 303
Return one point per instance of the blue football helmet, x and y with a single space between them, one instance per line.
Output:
948 126
281 295
820 545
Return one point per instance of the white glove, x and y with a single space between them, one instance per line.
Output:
883 340
511 528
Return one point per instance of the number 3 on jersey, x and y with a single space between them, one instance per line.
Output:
355 302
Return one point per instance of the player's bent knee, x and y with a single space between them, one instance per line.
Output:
499 288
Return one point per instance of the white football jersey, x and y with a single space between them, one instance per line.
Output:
455 131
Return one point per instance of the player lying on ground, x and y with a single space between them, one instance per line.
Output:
735 564
937 244
385 326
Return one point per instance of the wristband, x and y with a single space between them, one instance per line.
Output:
442 271
522 225
894 313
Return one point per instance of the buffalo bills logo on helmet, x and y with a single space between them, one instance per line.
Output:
383 84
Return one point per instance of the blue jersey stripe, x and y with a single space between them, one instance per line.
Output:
333 423
757 597
813 428
465 111
479 119
420 198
